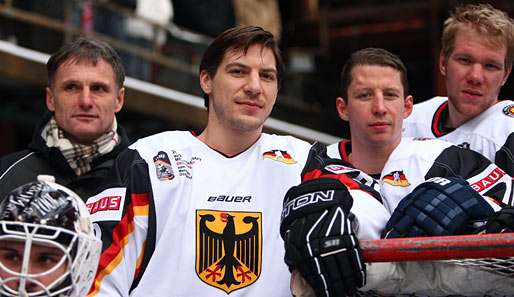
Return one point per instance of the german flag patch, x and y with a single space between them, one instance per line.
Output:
396 178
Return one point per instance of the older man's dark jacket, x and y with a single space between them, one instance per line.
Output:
24 166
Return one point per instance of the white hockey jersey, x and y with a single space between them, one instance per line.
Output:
412 162
188 221
415 160
491 133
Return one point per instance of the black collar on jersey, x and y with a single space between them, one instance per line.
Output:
441 115
375 176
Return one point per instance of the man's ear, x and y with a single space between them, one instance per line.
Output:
50 102
342 109
408 104
442 64
205 82
120 99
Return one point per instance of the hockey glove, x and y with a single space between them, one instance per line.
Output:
501 221
319 239
439 206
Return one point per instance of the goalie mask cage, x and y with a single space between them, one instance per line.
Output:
492 252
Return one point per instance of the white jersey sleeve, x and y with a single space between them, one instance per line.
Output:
491 133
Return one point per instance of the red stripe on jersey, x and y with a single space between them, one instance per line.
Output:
343 178
437 118
139 199
343 151
111 257
139 263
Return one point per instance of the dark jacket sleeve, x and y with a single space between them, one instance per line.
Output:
505 156
17 169
482 175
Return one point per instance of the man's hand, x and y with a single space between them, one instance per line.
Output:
439 206
319 239
501 221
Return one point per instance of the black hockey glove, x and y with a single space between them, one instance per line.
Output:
319 239
439 206
501 221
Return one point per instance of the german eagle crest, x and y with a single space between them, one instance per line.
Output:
228 248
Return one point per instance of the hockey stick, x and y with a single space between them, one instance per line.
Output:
500 245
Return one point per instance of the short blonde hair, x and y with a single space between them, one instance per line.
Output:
486 20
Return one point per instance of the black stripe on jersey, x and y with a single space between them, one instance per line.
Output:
457 161
505 156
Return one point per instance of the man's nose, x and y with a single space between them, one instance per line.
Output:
475 74
85 101
378 105
253 86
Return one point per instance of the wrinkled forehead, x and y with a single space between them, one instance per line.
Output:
78 61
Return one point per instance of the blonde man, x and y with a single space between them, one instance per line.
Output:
475 60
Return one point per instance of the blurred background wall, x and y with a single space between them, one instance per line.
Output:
161 44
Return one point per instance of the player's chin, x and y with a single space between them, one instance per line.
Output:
248 123
382 138
472 109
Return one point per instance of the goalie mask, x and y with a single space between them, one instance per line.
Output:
47 244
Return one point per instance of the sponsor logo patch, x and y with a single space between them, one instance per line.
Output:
279 155
228 248
488 181
338 169
396 178
185 167
163 168
230 198
509 110
304 200
107 206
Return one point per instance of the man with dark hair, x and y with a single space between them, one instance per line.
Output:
475 60
188 215
429 187
79 138
238 40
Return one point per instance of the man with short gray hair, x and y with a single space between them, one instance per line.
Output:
78 139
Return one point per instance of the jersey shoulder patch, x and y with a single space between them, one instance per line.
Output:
108 205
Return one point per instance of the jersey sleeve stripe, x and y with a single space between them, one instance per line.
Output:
141 211
113 255
139 262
